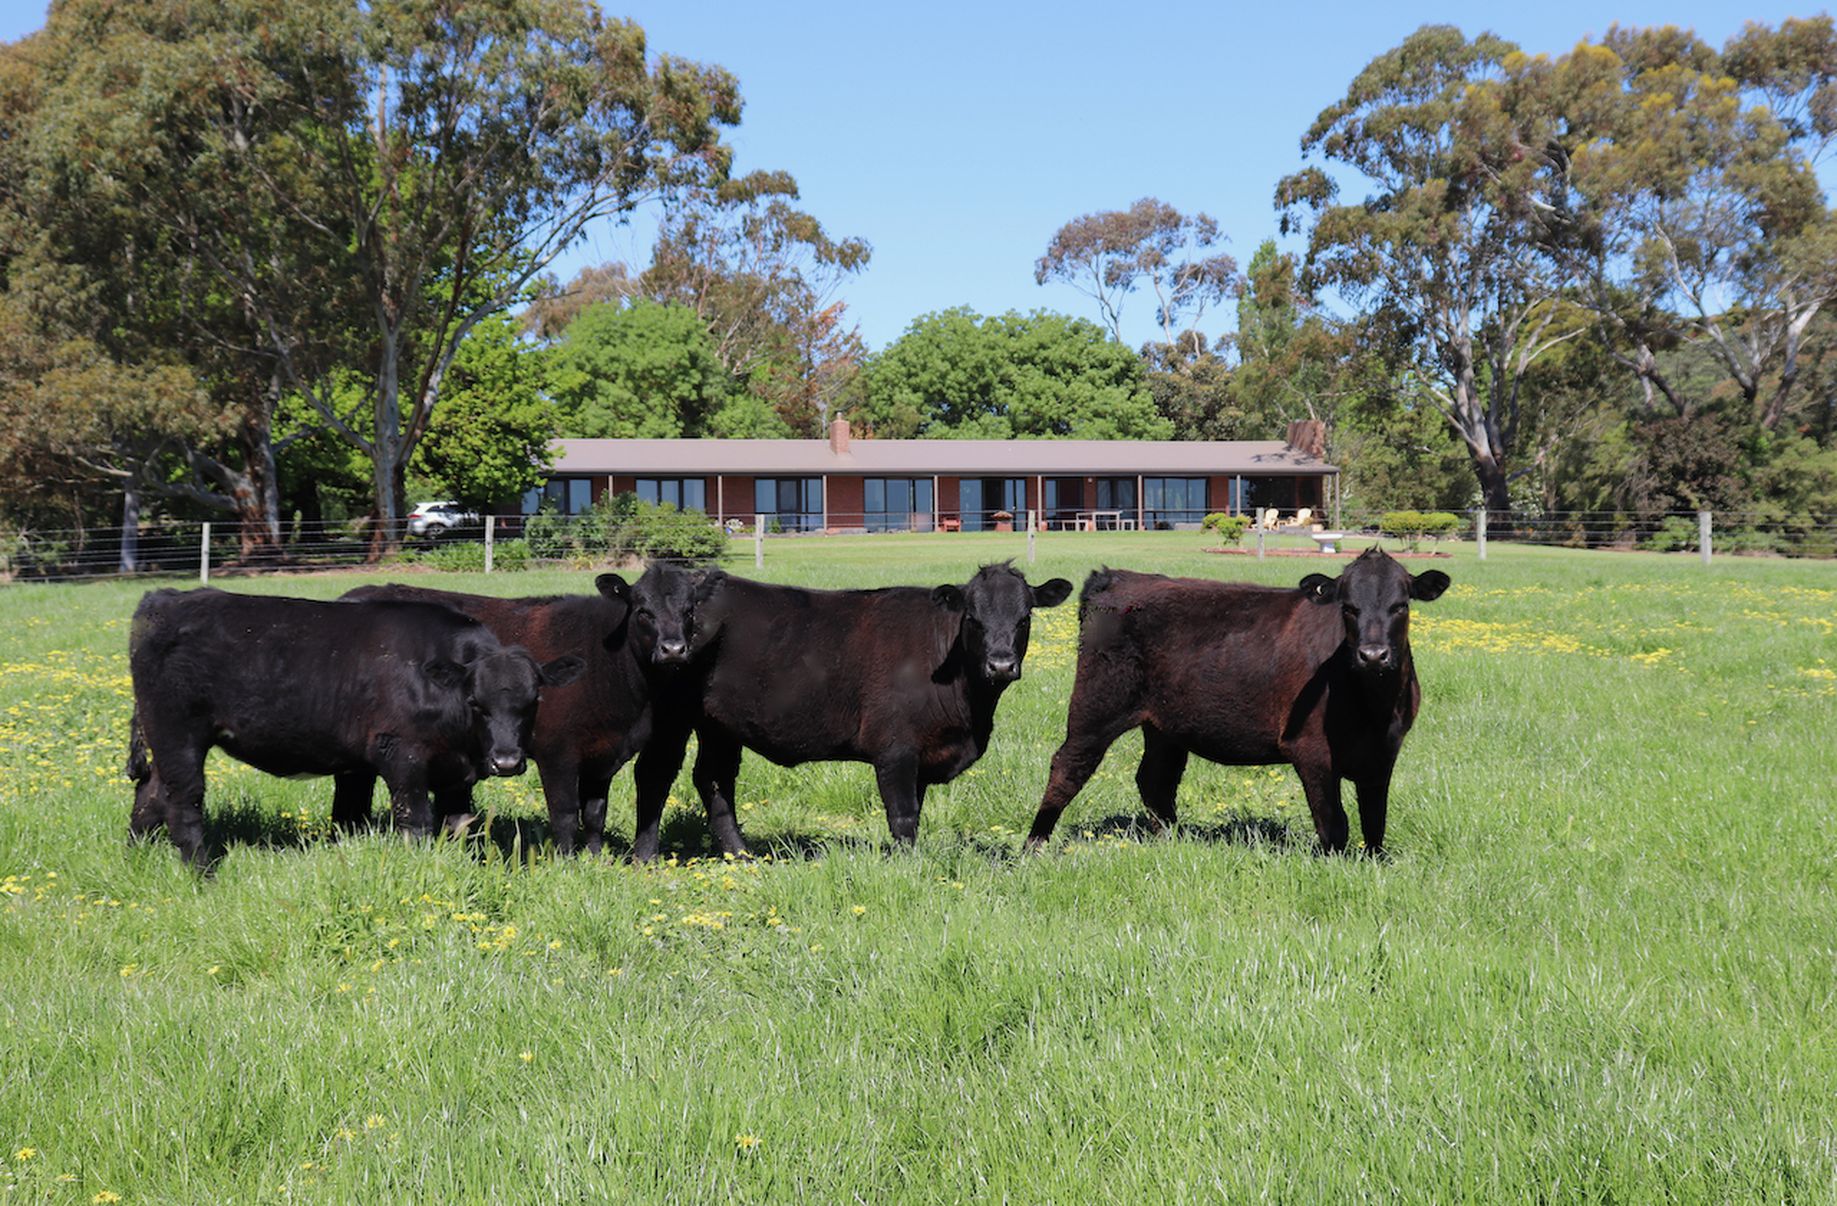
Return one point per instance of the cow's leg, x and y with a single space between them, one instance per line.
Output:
175 758
593 788
1087 739
655 771
717 765
149 805
1158 776
351 793
560 790
410 804
1323 791
899 791
453 809
1374 803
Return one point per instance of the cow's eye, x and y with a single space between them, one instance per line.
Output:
1349 611
1398 609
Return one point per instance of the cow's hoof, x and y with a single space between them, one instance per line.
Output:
458 825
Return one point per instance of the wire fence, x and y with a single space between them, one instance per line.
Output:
172 549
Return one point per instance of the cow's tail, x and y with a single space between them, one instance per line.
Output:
140 766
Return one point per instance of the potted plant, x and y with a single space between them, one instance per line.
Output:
1004 520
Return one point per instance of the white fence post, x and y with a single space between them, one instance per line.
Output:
1479 531
490 544
1030 552
204 555
1703 537
758 540
1259 538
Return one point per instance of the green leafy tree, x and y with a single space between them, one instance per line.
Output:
438 157
1441 238
643 369
1151 245
761 273
1683 196
491 438
956 374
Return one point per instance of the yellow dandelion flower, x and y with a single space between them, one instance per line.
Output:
107 1195
375 1122
346 1133
527 1056
746 1142
860 909
554 944
213 969
25 1153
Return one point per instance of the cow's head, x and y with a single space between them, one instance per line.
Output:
664 624
1374 594
501 689
996 617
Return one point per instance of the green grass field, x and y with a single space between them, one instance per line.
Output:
1602 965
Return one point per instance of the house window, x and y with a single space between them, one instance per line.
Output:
1115 494
1171 500
896 504
1064 499
794 503
980 497
561 496
683 493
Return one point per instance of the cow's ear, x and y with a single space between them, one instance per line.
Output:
949 596
443 672
1320 588
710 582
563 670
1428 585
613 587
1052 593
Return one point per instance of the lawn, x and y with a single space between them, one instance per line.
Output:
1601 965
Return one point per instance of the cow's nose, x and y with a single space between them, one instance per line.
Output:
507 764
1375 656
1003 667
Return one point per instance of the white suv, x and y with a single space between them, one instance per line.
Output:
433 519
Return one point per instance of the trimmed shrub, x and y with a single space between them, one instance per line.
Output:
1230 528
622 526
1413 526
1674 533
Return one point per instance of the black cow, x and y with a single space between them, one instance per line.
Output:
418 694
1320 678
585 732
904 678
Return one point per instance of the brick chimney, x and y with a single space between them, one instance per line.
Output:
1308 436
838 436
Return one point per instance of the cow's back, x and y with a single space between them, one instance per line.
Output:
806 675
1220 666
269 673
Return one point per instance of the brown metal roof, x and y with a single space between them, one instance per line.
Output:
948 457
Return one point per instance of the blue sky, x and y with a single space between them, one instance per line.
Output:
957 137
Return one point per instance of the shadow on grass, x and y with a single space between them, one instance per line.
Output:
684 836
1235 829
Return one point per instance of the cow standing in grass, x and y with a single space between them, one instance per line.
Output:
418 694
584 733
1320 678
903 678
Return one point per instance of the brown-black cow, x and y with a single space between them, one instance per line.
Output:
419 694
1320 678
904 678
585 732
